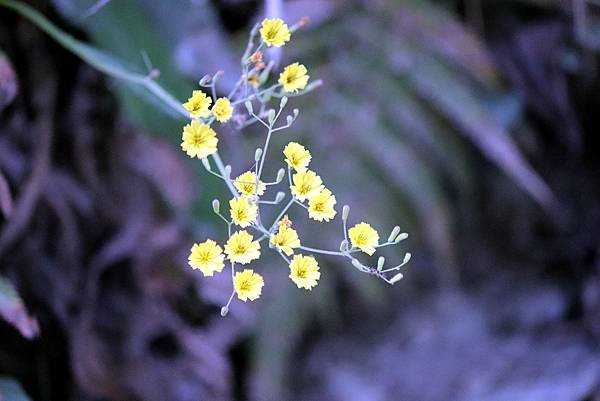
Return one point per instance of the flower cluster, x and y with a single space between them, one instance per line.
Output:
245 225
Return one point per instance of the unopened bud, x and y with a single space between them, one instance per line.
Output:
227 171
345 212
206 163
407 258
283 102
296 111
380 263
401 237
256 57
205 79
344 246
248 105
218 75
224 311
216 205
289 120
394 233
396 278
271 116
257 154
279 197
357 264
280 175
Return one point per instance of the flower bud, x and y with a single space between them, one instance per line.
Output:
283 102
279 197
345 212
344 246
380 263
257 154
271 116
407 258
396 278
296 111
216 205
227 171
206 163
401 237
248 105
357 264
394 233
289 120
224 311
280 175
205 79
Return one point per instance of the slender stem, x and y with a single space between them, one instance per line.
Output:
290 203
284 257
221 168
264 153
230 299
322 251
300 203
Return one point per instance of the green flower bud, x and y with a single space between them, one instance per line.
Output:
394 233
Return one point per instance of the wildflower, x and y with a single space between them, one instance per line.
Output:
253 80
246 184
199 140
320 207
363 236
248 285
206 257
293 77
222 110
296 156
243 213
256 57
304 271
198 104
286 239
241 248
306 185
285 220
274 32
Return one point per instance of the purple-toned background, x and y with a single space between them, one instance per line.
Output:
471 124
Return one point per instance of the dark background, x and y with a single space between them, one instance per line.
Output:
472 124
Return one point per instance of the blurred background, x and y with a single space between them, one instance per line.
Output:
472 124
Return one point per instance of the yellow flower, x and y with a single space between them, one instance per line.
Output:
363 236
199 140
248 285
306 185
198 104
320 207
222 110
245 183
304 271
242 212
207 257
286 239
274 32
296 156
241 248
293 77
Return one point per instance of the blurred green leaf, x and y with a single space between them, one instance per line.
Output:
11 390
13 310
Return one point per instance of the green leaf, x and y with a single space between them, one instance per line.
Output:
12 309
11 390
